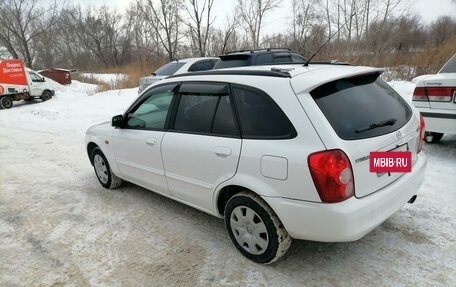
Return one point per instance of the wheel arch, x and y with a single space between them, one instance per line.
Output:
238 184
91 146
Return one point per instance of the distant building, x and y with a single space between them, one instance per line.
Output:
61 76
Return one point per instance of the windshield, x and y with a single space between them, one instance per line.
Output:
169 69
361 107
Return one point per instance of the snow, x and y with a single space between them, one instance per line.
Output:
107 78
58 226
73 109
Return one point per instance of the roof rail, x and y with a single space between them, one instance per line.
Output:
256 50
267 73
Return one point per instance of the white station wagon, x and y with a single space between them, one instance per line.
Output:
279 152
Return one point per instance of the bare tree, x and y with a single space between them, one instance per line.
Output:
22 21
303 15
199 31
252 13
165 20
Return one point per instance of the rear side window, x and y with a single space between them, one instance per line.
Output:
361 107
264 59
450 66
228 63
202 66
169 69
206 114
260 116
195 113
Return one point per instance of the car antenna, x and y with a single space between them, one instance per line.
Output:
327 41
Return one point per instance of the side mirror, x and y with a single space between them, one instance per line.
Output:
118 121
43 80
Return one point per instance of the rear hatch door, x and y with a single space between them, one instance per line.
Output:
359 115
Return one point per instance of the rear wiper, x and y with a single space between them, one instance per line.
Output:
388 122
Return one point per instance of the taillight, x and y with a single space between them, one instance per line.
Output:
332 175
419 94
433 94
421 135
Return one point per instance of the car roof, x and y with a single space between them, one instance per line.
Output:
314 74
258 51
189 60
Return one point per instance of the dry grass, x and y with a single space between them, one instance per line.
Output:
132 74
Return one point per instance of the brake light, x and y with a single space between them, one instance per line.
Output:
332 175
433 94
421 135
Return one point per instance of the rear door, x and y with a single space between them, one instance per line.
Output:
360 115
201 149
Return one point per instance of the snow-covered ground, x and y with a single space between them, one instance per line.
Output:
107 78
58 226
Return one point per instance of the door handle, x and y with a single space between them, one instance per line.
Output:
222 151
151 141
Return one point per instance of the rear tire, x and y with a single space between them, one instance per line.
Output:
255 229
6 102
432 137
46 96
103 171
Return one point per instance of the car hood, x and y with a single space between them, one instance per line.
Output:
104 128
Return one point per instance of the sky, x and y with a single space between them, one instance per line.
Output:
429 10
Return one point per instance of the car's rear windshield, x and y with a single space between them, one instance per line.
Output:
169 69
361 107
450 66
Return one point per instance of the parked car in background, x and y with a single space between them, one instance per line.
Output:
279 152
269 56
435 98
177 67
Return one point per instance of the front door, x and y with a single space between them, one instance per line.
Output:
202 147
37 84
138 145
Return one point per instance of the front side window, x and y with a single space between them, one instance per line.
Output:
151 114
260 116
35 78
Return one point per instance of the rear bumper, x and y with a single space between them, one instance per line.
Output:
351 219
442 121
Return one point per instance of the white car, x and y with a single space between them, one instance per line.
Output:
279 152
177 67
435 98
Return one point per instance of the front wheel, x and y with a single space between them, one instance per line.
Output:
6 102
103 171
255 229
46 96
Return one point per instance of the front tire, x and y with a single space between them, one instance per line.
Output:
6 102
46 96
103 171
255 229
